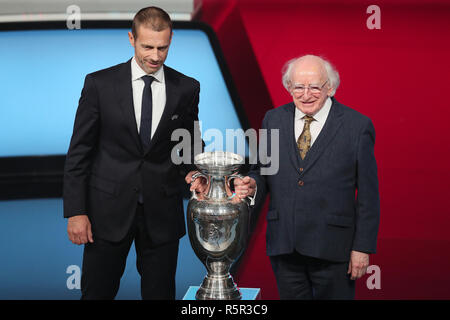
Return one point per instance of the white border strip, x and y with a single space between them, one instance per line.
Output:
84 16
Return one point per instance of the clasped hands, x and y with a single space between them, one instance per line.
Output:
242 187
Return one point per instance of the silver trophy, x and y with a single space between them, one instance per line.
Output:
218 224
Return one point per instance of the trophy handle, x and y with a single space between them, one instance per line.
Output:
231 177
195 176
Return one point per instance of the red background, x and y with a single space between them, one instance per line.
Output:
398 76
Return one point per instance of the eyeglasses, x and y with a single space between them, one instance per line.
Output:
313 89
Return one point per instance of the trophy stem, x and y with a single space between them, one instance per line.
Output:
218 287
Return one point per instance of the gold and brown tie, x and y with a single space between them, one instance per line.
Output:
304 141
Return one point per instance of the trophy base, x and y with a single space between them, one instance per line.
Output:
218 288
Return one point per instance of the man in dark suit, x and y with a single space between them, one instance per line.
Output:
323 216
120 183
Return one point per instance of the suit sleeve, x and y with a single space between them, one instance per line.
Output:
368 200
79 156
192 125
255 170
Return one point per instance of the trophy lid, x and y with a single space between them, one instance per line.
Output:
218 162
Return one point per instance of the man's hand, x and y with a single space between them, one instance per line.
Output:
357 267
244 187
79 229
199 185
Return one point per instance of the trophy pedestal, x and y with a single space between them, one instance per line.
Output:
247 293
217 287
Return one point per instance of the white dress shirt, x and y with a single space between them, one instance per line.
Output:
158 93
316 126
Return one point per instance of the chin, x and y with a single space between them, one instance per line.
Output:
309 110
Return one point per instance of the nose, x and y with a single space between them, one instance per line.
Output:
154 55
306 93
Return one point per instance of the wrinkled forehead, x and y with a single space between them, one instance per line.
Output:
307 72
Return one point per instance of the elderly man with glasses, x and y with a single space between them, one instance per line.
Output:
323 216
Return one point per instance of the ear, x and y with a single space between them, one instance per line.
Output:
131 38
289 88
330 90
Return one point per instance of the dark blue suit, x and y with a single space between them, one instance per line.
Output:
106 170
313 209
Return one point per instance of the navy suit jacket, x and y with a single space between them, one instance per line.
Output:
327 204
107 168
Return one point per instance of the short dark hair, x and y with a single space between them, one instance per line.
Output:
152 17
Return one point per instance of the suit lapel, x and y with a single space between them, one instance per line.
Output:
124 91
288 135
327 134
172 101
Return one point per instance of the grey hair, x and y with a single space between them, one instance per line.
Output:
332 74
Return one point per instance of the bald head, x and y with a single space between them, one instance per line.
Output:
311 63
309 67
310 80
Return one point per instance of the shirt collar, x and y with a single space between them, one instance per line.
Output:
138 73
320 116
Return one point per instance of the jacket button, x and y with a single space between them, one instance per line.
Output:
301 169
300 183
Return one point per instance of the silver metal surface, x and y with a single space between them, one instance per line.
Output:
217 224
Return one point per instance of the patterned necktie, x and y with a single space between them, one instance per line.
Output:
145 130
304 141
